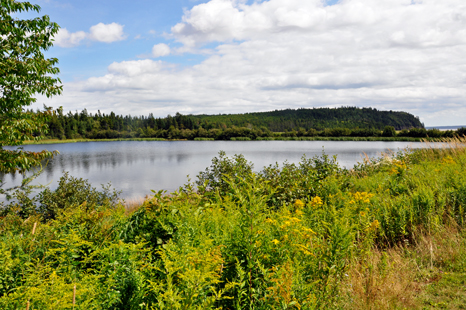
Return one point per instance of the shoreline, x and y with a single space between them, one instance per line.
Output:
375 139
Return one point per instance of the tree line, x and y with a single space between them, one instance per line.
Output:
340 122
316 118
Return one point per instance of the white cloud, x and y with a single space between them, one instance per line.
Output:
388 54
66 39
100 32
160 50
107 33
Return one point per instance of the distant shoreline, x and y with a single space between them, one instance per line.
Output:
394 139
443 128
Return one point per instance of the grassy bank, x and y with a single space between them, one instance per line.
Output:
57 141
403 139
388 234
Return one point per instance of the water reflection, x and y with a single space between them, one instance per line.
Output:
136 167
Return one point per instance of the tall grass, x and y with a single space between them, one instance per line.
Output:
305 236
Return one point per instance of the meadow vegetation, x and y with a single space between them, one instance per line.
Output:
388 234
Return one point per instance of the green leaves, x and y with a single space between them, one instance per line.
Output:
24 73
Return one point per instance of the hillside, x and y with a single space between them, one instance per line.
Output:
316 118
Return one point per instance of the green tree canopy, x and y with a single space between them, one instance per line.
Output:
389 131
24 73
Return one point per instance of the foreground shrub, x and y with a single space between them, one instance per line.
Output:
71 191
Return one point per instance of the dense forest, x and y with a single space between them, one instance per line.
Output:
321 122
317 118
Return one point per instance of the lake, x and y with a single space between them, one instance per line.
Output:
137 167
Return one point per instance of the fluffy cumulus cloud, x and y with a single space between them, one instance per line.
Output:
160 50
66 39
388 54
107 33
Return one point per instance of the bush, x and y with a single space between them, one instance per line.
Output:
213 178
389 131
70 192
73 191
461 132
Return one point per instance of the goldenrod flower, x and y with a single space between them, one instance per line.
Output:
275 241
448 160
298 203
375 224
308 230
316 201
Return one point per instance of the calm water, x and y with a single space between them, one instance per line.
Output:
137 167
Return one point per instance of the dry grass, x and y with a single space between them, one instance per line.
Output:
133 204
418 276
454 146
382 280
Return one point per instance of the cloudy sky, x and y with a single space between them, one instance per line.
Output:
236 56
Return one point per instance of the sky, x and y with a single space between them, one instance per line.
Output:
236 56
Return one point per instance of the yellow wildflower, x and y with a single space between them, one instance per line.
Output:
316 201
275 241
448 160
298 203
362 213
375 224
308 230
304 249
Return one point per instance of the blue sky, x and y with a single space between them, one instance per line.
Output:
236 56
145 18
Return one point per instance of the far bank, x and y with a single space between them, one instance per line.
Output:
394 139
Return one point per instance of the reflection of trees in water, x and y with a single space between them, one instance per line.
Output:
177 157
5 176
86 162
48 170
